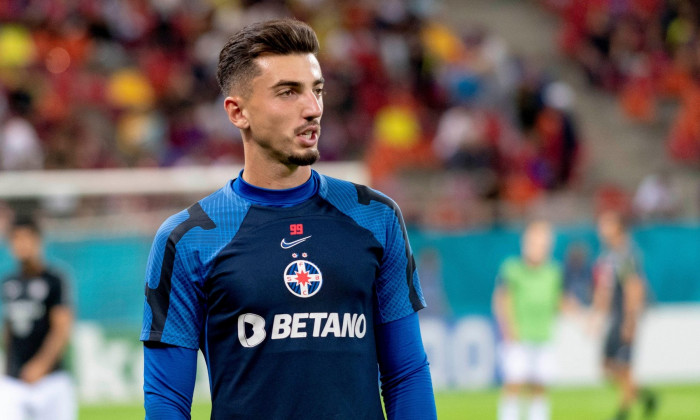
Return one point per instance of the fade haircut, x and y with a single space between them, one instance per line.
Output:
237 66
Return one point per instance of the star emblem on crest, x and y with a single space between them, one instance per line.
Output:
303 278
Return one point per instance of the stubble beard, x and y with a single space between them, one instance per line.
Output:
303 159
289 158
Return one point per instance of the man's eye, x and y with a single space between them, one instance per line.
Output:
287 92
319 91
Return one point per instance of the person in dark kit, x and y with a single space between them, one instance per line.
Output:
38 319
620 292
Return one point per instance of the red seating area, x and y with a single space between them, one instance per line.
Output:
647 52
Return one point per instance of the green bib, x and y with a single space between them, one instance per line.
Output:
535 296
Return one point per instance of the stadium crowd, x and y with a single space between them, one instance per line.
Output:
97 84
645 51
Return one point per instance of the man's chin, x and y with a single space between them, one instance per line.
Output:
304 159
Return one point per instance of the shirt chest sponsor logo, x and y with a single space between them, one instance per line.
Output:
22 314
25 304
303 278
252 330
286 245
38 289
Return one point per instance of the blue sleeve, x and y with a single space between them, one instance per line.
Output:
398 287
406 385
168 381
173 310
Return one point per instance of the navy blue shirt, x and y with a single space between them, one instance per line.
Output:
282 291
27 304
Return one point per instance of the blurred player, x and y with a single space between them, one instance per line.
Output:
294 285
526 303
578 276
37 323
620 292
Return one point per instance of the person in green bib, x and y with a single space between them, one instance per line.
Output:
527 301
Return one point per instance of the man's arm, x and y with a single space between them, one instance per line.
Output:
55 343
602 297
503 309
6 335
634 295
169 374
406 385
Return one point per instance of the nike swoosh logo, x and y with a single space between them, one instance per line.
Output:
286 245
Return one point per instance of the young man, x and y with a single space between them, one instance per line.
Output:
294 285
37 327
526 302
620 292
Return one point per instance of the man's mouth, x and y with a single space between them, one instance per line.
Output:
309 134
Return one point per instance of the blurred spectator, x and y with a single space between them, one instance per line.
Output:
656 198
398 141
464 141
684 137
558 131
20 147
644 51
545 117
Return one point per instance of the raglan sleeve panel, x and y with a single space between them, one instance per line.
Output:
398 287
174 304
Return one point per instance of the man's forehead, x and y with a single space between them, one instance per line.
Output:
296 67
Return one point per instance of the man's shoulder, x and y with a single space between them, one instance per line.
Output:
6 282
203 212
9 276
352 194
634 252
553 266
207 225
53 274
512 263
330 185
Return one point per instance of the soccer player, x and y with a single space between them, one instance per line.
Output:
295 286
620 292
527 299
37 324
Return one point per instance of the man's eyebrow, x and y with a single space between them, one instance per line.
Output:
295 84
286 83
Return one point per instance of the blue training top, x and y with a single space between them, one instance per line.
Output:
284 292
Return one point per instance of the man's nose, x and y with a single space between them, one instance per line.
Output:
313 106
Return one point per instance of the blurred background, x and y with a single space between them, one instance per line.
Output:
475 116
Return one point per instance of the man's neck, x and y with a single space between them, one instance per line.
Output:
31 267
619 244
276 177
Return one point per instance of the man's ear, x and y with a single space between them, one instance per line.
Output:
234 109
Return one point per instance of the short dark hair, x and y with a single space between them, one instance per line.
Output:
280 37
20 102
24 221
